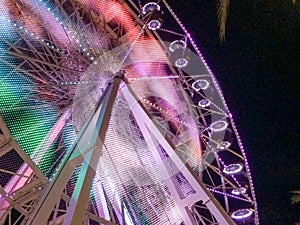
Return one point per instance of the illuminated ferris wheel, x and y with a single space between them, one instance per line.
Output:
110 115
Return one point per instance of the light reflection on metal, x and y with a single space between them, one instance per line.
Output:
224 145
239 191
233 169
242 214
200 84
204 103
178 44
154 25
150 6
182 62
218 125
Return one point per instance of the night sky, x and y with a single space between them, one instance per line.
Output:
258 67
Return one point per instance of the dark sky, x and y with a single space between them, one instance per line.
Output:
258 68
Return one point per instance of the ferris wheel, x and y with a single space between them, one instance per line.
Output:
110 115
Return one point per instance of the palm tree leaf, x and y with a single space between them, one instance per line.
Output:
296 197
222 17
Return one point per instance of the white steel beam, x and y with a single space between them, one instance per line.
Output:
144 119
95 130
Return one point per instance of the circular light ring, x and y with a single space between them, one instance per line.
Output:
182 62
178 44
224 145
242 214
204 103
154 25
239 191
150 6
218 126
200 85
233 169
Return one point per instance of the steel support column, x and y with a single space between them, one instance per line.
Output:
93 135
150 129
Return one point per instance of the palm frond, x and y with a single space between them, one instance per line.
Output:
223 14
222 17
296 197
